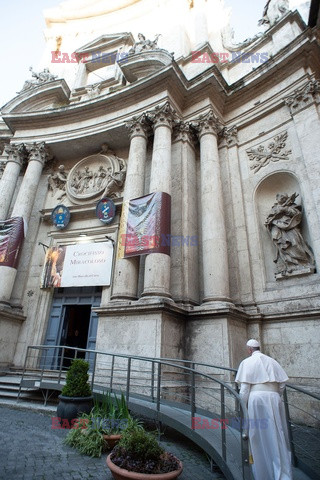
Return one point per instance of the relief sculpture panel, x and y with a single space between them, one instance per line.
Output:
96 176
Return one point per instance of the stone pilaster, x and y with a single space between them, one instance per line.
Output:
157 265
184 223
214 240
12 158
125 280
241 263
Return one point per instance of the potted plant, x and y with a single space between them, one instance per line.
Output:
76 396
138 456
101 429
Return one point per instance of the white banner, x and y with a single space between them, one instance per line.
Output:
87 264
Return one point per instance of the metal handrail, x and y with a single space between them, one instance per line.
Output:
123 376
159 396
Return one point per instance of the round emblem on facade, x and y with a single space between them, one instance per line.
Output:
60 216
106 210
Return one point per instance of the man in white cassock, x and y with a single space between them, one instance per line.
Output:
262 384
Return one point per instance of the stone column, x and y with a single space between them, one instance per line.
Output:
13 157
214 240
38 154
157 265
184 223
125 279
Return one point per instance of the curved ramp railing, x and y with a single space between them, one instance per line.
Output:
198 399
304 428
201 406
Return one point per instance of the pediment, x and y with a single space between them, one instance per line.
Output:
143 64
107 42
39 98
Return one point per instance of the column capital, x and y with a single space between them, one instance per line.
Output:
207 123
303 96
184 132
228 136
163 115
139 126
14 152
39 152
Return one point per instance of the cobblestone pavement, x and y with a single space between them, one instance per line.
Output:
31 450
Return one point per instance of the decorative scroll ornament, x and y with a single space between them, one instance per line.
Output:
16 152
143 45
184 132
302 96
294 256
38 79
207 123
139 126
273 152
57 182
229 136
96 176
162 115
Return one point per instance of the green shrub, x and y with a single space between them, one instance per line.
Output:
77 380
141 445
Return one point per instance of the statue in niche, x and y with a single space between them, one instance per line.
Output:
273 11
142 45
294 256
58 181
39 78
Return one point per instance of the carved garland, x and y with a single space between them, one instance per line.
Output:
273 152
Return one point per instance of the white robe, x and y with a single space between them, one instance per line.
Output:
268 433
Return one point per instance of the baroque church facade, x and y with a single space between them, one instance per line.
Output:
228 132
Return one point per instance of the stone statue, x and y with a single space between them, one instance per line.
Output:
142 45
283 224
115 181
273 11
38 79
57 181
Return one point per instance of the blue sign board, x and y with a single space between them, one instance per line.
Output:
106 210
60 216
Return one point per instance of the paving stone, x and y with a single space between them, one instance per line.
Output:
31 450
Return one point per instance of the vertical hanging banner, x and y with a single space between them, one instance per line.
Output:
11 238
81 265
145 225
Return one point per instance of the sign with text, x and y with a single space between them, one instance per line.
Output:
81 265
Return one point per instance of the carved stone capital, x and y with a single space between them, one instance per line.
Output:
184 132
15 152
139 126
39 152
228 136
207 123
303 96
162 116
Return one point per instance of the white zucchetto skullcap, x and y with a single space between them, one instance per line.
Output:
253 343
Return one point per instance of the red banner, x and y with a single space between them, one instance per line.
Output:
11 238
147 227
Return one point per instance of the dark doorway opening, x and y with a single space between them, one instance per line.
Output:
75 330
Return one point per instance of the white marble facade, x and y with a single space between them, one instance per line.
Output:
168 111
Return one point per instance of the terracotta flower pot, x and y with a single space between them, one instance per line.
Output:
112 440
122 474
